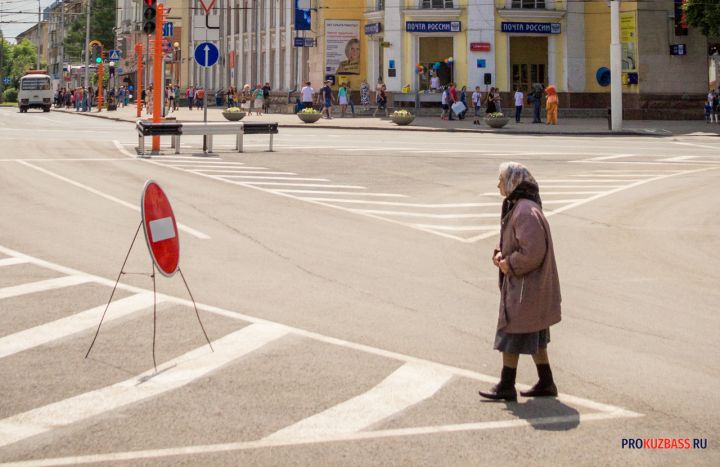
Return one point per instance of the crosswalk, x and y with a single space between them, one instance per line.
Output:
463 221
359 409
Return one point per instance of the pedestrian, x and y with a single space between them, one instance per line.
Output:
476 102
170 94
326 97
463 99
715 108
452 99
489 103
529 284
708 111
176 94
537 94
434 82
266 97
306 95
349 98
246 99
259 102
551 105
190 96
200 98
445 104
519 98
365 95
382 101
497 100
343 99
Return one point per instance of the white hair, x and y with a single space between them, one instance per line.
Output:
513 174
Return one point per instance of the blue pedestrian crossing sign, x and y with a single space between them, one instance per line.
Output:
206 54
113 55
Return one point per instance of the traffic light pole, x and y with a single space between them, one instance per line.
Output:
139 85
87 45
100 70
157 74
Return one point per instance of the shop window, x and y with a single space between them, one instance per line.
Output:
437 71
528 4
437 4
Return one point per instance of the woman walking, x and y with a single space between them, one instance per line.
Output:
489 103
529 285
365 95
343 99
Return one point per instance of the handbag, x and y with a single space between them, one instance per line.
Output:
458 107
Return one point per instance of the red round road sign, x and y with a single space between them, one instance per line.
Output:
160 229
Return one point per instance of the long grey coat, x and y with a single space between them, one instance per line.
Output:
530 292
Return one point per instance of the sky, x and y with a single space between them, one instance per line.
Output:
8 9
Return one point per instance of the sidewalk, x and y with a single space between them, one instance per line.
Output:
568 126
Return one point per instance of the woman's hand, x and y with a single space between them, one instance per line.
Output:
497 258
504 266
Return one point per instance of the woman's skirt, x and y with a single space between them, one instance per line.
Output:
343 100
527 343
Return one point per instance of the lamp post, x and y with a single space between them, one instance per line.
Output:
177 53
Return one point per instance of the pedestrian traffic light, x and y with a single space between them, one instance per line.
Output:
149 16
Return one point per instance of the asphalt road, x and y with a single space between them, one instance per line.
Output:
346 283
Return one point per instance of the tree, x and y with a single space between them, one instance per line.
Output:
102 22
17 59
705 15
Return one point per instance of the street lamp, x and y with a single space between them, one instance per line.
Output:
176 63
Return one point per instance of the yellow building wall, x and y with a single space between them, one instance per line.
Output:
345 10
597 42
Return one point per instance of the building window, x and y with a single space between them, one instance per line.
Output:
433 4
379 5
528 4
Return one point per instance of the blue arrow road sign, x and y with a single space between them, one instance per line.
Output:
114 55
206 54
168 29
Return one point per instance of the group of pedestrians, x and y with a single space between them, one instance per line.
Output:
325 98
81 98
712 107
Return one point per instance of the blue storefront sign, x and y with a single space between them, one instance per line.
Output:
303 16
432 26
373 28
534 28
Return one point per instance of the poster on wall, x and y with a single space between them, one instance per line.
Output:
342 47
628 38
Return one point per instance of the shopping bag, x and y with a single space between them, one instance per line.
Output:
458 108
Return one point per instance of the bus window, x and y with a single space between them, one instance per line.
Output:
35 84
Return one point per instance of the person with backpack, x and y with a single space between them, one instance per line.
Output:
535 98
266 97
519 97
477 102
382 100
327 99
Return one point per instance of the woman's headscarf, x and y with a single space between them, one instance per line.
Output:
519 184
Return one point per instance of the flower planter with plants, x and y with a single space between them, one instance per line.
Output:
496 120
234 114
309 115
402 117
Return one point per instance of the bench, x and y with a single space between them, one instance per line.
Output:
177 129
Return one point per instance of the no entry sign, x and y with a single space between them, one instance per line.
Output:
160 229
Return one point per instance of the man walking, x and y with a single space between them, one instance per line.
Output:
327 99
519 97
306 95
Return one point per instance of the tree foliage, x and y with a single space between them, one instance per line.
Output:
705 15
17 59
102 22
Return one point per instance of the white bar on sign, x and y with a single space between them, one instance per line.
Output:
162 229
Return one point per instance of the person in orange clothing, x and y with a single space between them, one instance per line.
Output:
551 105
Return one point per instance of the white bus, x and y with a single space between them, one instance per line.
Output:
36 91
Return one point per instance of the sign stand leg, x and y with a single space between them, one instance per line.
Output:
196 310
154 315
122 269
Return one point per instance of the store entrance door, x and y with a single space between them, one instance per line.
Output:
528 61
434 52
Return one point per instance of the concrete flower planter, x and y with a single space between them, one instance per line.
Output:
234 116
309 118
403 119
497 122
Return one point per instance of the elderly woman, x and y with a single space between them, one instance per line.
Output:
529 284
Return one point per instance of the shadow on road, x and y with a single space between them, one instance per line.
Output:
546 414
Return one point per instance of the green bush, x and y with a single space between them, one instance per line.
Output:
10 95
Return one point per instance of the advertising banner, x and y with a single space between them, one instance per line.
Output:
342 47
628 38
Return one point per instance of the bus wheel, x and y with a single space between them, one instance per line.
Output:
46 109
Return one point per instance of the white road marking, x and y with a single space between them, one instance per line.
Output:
73 324
248 172
183 227
679 159
615 156
554 187
697 145
321 192
599 179
425 214
407 386
178 372
41 286
358 436
303 184
461 228
411 205
251 177
11 261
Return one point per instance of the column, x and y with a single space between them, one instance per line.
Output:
288 45
574 40
394 33
240 60
276 75
268 41
259 4
481 28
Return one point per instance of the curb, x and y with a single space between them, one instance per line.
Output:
424 129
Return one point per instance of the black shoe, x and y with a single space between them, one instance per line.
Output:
541 391
499 392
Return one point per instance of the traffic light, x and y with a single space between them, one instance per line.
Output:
149 16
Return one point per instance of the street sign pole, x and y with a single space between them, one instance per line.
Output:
205 81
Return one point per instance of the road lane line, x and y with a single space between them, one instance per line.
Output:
461 228
321 192
302 184
359 436
183 227
210 168
41 286
600 179
412 205
12 261
73 324
425 214
174 374
254 177
232 171
615 156
405 387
